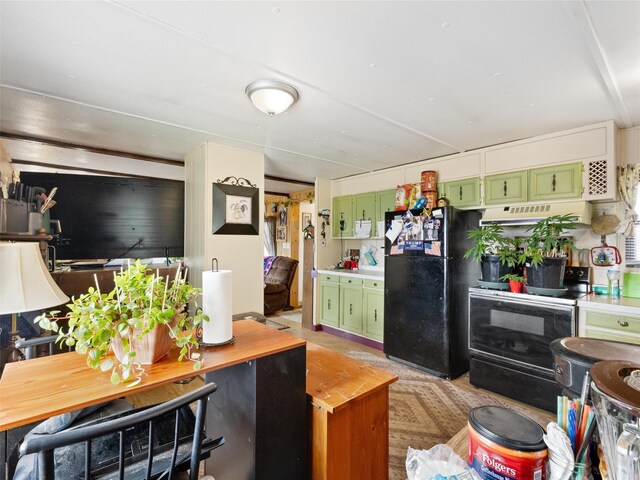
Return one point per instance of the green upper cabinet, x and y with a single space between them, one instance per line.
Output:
342 210
463 193
385 202
560 181
364 207
505 188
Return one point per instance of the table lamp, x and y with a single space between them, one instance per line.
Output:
25 285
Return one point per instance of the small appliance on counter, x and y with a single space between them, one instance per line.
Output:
573 357
615 391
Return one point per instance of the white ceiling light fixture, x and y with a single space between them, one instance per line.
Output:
270 96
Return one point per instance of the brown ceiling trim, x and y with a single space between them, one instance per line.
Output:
86 148
288 180
90 170
277 194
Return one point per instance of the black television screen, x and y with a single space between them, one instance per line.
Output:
103 217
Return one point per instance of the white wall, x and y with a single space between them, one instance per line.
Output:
242 254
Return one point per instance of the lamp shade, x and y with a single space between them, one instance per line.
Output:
271 97
25 282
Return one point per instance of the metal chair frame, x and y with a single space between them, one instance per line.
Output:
45 444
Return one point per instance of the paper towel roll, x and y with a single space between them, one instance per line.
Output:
216 303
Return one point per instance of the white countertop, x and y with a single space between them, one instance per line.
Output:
604 303
360 273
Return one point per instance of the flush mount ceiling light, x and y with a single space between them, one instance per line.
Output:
270 96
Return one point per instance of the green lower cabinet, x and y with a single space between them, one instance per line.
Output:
373 304
463 193
330 297
505 188
605 326
351 308
560 181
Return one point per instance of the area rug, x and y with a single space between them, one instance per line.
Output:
424 410
277 325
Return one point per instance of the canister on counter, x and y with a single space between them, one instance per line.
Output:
505 444
429 180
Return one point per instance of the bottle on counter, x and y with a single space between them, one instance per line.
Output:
613 275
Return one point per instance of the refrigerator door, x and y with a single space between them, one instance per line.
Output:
416 310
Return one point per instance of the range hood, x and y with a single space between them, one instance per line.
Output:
529 214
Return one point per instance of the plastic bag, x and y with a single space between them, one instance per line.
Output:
438 463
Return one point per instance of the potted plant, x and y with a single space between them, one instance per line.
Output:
490 249
139 320
515 280
546 251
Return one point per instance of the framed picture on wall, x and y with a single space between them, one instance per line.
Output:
235 210
281 234
306 220
283 217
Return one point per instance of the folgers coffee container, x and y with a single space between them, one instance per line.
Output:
504 445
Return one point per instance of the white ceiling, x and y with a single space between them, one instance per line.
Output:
381 83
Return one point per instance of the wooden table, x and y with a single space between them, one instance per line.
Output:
348 417
259 406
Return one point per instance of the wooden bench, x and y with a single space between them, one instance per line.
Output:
348 416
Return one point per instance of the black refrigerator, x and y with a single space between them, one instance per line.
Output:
426 290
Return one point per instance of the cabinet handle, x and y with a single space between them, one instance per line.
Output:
460 192
348 281
623 323
329 304
375 284
505 188
350 309
375 315
553 183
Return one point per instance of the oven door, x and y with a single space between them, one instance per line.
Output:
519 330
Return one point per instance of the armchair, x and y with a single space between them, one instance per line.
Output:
277 284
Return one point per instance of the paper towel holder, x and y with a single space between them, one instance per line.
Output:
214 259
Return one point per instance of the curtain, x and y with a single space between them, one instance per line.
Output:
628 179
270 235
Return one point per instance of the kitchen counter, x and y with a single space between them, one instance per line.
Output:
373 274
622 305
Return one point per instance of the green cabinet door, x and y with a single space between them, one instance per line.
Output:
364 208
351 308
505 188
373 305
342 210
562 181
463 193
385 202
330 301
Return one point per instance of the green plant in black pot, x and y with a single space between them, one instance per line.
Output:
546 251
490 249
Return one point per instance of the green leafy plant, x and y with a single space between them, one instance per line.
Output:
513 277
548 238
139 302
488 240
